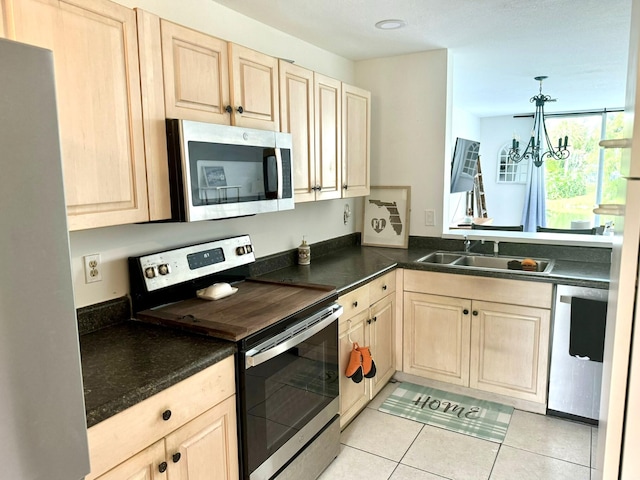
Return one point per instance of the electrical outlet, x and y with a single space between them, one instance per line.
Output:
92 268
430 218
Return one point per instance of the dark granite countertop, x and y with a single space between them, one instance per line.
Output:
126 363
350 267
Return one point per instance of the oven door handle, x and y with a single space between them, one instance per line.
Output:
253 360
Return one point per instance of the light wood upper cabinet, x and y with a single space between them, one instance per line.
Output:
328 133
297 118
196 74
356 128
207 79
329 122
254 88
99 103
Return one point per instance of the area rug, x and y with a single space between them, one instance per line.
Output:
458 413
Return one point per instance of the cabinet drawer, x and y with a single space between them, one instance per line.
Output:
355 302
514 292
382 286
130 431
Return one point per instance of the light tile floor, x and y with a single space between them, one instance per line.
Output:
379 446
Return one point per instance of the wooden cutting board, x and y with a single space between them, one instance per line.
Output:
256 305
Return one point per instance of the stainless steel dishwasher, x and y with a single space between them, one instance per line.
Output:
575 380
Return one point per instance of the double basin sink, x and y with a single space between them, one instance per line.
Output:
487 262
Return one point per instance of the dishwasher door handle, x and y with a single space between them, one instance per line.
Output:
584 359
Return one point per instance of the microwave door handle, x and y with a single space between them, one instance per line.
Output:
253 360
279 169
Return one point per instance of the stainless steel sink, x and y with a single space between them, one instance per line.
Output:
499 263
485 262
440 257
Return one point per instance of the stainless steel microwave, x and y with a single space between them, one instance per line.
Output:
219 171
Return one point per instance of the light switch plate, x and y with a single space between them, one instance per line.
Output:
430 218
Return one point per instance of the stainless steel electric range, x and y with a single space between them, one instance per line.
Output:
287 338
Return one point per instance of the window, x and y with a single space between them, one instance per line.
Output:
471 159
590 176
511 172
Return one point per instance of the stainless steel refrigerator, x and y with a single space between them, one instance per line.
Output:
619 427
43 431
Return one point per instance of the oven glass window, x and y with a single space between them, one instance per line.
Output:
223 173
286 392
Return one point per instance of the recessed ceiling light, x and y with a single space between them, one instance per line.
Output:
390 24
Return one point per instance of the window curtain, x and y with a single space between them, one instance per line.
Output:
534 213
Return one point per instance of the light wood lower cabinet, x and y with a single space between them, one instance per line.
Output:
369 320
142 466
488 345
509 350
187 431
437 331
206 447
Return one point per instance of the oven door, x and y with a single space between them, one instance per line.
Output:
291 392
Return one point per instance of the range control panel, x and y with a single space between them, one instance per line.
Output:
172 267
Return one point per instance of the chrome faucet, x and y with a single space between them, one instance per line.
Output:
496 249
467 244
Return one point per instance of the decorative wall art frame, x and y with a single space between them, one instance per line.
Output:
386 217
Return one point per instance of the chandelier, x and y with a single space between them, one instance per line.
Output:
539 134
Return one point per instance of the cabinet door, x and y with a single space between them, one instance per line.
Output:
142 466
509 350
436 337
353 396
254 88
328 124
356 127
382 341
296 118
196 74
95 49
206 447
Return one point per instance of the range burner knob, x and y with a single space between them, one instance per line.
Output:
149 272
241 250
164 269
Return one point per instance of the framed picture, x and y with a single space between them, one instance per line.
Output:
386 217
214 176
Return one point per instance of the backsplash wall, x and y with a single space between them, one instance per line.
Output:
270 233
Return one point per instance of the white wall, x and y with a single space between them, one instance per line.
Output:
504 201
270 233
409 128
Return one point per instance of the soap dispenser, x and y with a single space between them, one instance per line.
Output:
304 253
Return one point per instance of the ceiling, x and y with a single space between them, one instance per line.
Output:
497 46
